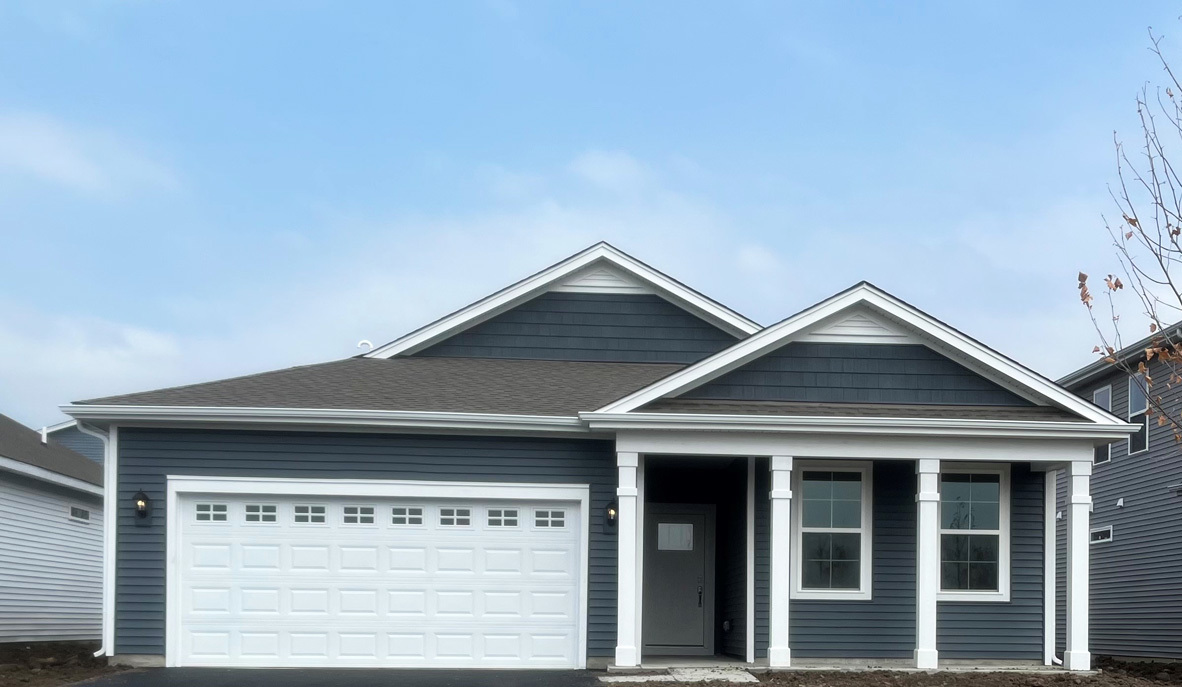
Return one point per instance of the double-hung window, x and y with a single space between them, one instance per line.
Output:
1138 414
1102 397
975 533
832 542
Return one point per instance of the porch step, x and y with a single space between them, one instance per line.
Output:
703 674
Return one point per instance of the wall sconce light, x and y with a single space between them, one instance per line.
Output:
143 505
611 515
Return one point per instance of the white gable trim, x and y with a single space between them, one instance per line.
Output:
600 254
1006 372
601 278
858 326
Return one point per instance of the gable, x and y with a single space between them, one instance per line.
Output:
856 373
600 325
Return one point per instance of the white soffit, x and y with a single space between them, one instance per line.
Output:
602 268
892 315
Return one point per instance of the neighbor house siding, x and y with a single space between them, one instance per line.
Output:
1012 630
1135 600
51 584
628 328
146 457
77 441
883 627
856 373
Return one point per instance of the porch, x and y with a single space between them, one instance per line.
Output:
838 552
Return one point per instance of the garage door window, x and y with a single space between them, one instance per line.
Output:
306 515
261 513
455 517
550 518
502 517
406 515
211 512
359 515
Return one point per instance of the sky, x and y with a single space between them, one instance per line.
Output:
196 190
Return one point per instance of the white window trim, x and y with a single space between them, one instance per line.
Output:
1129 415
1108 529
1107 447
423 516
472 517
326 515
73 518
261 522
549 526
1002 595
372 514
866 555
501 509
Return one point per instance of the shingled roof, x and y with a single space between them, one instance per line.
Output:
459 385
23 445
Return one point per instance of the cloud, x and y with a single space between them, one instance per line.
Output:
36 147
614 171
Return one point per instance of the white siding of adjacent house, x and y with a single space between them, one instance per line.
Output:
50 565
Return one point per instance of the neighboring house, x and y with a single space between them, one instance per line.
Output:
51 540
69 435
1136 527
600 465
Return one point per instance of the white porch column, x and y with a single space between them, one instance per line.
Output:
927 562
1079 509
779 654
628 584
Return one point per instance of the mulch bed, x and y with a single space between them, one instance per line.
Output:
51 664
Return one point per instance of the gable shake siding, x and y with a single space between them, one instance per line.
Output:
856 373
627 328
147 456
883 627
1136 599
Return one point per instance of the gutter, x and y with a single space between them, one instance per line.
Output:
109 522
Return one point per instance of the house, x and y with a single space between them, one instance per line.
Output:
1136 530
69 435
599 465
51 540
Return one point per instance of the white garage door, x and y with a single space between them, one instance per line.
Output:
305 581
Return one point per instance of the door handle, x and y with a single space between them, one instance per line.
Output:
699 596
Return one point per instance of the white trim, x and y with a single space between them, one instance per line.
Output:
110 441
1106 447
1076 655
927 562
1003 370
860 326
779 650
750 613
1106 528
65 424
600 253
603 420
866 555
41 474
1049 545
1002 595
179 484
600 279
627 652
328 416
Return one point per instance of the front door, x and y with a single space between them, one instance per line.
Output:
678 580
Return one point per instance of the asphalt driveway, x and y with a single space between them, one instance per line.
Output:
229 677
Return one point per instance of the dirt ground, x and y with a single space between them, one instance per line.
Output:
1111 674
50 664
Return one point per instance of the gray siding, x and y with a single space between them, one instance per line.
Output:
1136 598
732 562
78 442
763 555
1010 630
883 627
626 328
147 456
856 373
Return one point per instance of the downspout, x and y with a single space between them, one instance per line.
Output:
109 521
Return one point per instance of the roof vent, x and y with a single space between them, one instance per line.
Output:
45 435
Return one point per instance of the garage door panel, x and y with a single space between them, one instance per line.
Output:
497 592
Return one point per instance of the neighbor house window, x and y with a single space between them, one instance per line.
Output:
455 517
358 515
406 515
1102 397
1138 414
974 534
833 531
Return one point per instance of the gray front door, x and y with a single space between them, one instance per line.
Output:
678 580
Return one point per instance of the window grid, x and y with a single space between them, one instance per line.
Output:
406 515
211 512
971 536
550 518
261 513
502 517
310 515
1102 398
79 513
455 517
831 530
358 515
